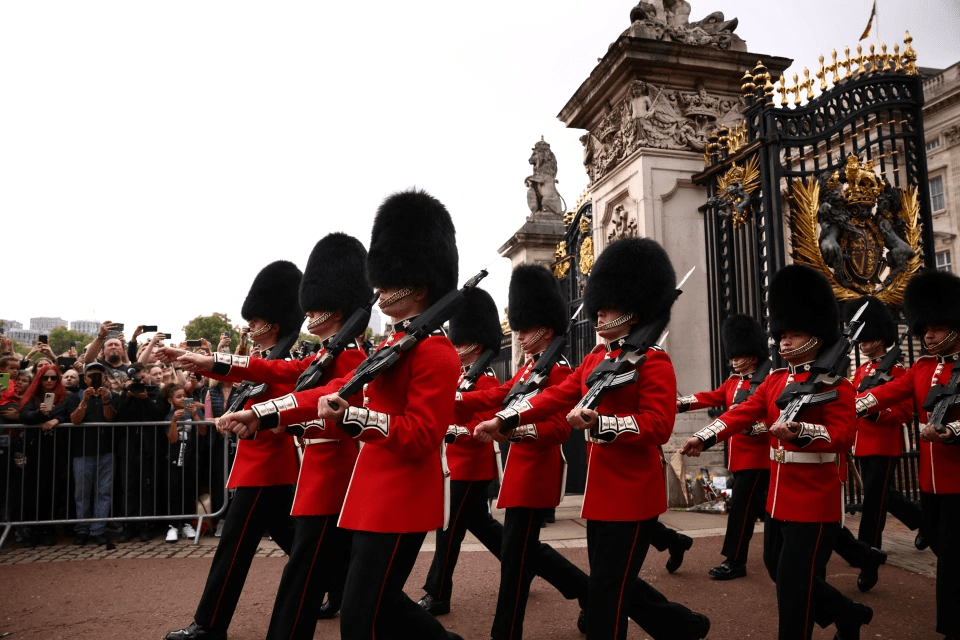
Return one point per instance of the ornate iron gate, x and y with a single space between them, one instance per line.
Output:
841 175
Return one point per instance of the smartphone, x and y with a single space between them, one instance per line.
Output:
96 380
113 334
167 336
147 328
42 339
65 362
48 401
193 343
4 381
187 403
225 334
118 326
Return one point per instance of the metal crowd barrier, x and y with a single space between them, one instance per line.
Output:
38 472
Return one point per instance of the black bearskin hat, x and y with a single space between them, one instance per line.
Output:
878 323
413 244
535 300
633 274
273 296
477 320
932 298
742 336
801 299
336 276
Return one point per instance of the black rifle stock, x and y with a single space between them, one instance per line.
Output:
476 370
539 375
425 324
826 371
882 372
354 325
943 398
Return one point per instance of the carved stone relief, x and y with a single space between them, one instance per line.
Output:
650 116
669 20
621 225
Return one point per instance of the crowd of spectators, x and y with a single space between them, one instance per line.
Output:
92 457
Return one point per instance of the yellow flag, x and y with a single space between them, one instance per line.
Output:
873 14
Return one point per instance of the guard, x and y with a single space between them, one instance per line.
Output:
265 468
932 305
396 494
632 283
748 453
804 501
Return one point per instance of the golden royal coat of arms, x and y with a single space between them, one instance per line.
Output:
735 189
858 230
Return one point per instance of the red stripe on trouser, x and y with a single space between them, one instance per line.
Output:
303 596
373 620
813 573
881 513
523 560
453 526
226 580
623 585
743 528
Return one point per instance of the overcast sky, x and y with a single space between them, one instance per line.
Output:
155 156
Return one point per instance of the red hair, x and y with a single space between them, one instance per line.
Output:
59 394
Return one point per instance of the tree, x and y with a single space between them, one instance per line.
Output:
210 327
61 337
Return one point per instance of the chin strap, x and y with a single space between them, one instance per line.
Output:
935 349
807 346
402 293
320 320
532 341
262 330
622 319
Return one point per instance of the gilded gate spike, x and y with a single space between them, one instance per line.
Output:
886 57
909 56
859 60
847 64
808 83
796 90
873 60
835 67
822 75
896 57
746 85
782 89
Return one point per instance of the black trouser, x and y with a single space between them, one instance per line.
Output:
796 555
468 512
374 604
941 525
879 496
253 511
662 537
518 567
748 503
318 563
855 552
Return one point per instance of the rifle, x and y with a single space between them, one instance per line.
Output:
356 323
476 370
248 389
540 372
424 324
622 371
755 381
826 370
941 399
882 373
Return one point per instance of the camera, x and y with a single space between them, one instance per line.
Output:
194 343
43 339
308 348
148 328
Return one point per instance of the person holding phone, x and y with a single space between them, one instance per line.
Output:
92 452
45 403
182 457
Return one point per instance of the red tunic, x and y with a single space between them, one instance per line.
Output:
881 434
397 483
534 473
624 476
468 458
800 492
743 451
268 459
939 462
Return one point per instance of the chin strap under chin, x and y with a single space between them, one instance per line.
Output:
402 293
623 318
807 346
262 330
323 317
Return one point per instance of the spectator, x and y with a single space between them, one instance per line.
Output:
182 485
41 348
156 375
9 398
71 380
92 455
136 445
113 352
44 463
24 378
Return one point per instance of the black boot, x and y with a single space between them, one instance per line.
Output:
677 550
434 606
196 632
331 607
729 570
849 627
921 542
869 575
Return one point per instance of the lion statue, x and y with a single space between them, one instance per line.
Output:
542 194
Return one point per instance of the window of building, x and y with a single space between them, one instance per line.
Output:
944 262
933 144
936 194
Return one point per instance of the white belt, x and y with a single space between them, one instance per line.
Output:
309 441
783 456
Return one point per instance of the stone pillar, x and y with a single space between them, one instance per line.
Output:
647 110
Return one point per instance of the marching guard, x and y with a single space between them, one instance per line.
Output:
333 289
805 497
396 492
932 305
265 468
748 453
631 283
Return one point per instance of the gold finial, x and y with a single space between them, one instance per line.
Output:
808 83
782 89
872 58
909 56
746 85
847 64
822 75
835 67
859 60
896 57
796 90
886 57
